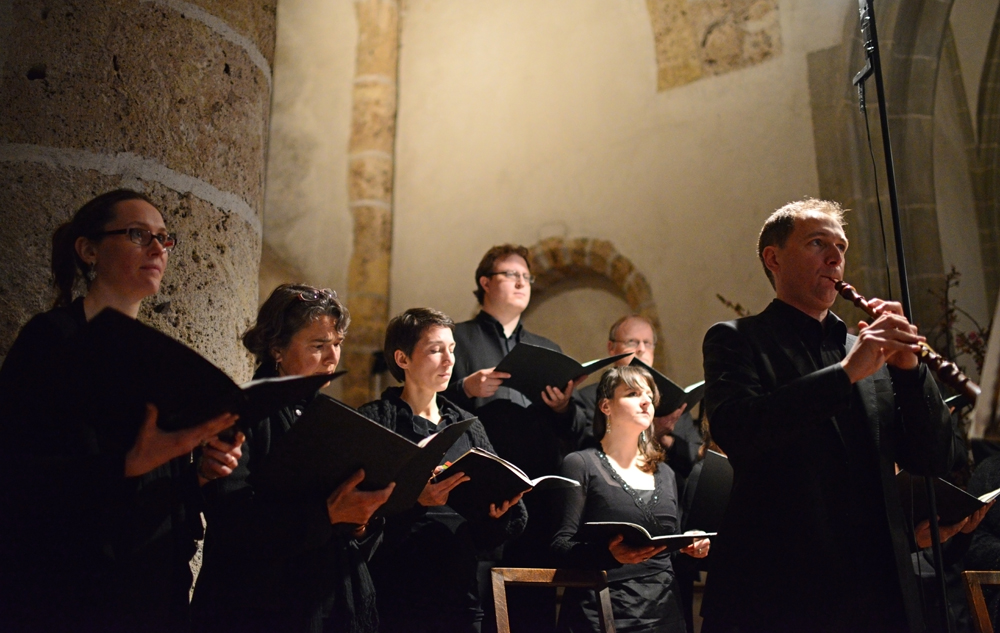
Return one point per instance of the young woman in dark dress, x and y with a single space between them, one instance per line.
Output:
284 564
624 480
425 570
96 529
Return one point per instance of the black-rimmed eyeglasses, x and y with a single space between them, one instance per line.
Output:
145 237
514 276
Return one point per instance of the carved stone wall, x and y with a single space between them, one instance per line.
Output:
165 96
702 38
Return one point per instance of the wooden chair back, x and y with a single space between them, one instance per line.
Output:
596 580
977 604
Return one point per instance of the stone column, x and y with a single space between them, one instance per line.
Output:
986 178
373 132
164 96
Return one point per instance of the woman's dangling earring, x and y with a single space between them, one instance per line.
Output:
92 272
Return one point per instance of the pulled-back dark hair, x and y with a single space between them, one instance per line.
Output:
404 332
635 378
89 220
290 308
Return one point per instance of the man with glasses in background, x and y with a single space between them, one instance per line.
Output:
531 432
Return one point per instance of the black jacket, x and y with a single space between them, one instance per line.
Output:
814 526
531 435
277 564
425 570
82 547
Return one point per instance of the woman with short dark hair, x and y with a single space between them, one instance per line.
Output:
288 564
624 480
425 570
97 525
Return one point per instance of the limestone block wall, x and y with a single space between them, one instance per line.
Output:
165 96
370 182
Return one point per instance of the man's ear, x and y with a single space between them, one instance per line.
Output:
484 283
86 249
770 254
400 358
611 348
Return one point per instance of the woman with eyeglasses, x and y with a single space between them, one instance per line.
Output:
96 532
623 480
288 564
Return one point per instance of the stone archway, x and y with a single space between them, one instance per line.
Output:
555 259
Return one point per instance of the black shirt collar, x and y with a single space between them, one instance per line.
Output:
421 426
488 321
811 330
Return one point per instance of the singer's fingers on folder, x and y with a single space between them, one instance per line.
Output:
976 518
347 504
154 447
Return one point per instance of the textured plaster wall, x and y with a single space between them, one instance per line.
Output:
524 120
307 225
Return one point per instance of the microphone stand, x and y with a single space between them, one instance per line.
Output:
873 66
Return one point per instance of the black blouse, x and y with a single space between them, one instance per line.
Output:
603 497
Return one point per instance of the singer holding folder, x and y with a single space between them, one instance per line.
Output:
425 571
812 419
96 530
623 479
676 431
289 564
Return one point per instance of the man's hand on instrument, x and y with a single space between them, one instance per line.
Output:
889 339
484 383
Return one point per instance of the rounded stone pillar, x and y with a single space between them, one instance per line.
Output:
168 97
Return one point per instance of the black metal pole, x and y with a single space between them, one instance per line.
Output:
870 34
890 172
